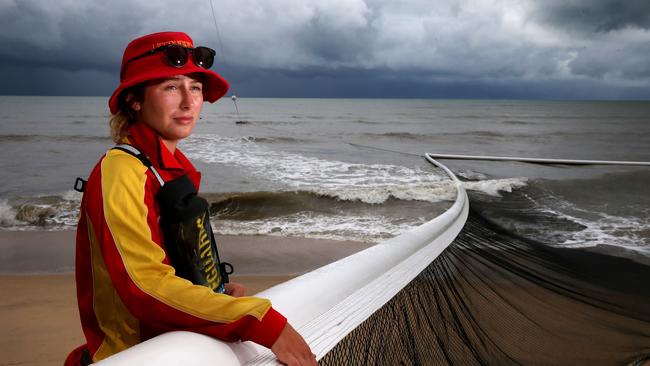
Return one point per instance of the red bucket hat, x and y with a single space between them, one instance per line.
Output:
150 67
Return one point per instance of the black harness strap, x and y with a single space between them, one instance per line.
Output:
80 183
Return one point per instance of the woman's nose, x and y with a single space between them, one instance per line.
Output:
187 98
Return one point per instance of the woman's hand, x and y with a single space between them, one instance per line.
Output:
292 350
235 289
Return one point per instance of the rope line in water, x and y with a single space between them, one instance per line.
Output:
508 158
539 160
382 149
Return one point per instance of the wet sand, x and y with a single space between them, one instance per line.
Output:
38 307
46 252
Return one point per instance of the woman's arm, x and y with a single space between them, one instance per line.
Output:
144 280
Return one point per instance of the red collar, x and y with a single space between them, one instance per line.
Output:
149 142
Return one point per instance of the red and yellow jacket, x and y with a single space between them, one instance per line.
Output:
126 288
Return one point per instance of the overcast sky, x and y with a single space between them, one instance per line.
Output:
545 49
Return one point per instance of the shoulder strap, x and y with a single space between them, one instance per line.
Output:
132 150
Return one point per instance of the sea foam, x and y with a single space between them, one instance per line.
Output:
364 228
369 183
620 231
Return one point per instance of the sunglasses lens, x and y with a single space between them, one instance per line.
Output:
204 57
176 55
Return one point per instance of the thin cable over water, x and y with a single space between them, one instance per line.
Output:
223 58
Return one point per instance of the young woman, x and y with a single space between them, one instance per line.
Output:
130 286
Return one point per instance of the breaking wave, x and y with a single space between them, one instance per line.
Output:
369 183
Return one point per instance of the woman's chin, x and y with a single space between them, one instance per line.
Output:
181 133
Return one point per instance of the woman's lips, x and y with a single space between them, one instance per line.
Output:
184 120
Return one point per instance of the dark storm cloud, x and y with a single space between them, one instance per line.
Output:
414 48
595 15
609 39
72 47
385 83
63 36
631 61
332 44
82 35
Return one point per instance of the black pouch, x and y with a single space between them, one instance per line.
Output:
190 244
185 223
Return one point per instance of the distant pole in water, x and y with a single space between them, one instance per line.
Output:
234 100
538 160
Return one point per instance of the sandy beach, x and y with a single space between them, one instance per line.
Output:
39 311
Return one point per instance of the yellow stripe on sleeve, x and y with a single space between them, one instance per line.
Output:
122 329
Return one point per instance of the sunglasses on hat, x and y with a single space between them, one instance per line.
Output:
177 56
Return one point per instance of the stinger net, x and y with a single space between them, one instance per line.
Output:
494 299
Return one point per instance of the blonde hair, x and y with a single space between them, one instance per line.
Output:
119 124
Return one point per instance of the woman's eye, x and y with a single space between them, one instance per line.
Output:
171 87
197 87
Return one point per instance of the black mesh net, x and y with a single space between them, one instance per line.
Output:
493 299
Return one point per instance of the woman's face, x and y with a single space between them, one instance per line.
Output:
171 107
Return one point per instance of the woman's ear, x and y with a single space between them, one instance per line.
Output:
132 102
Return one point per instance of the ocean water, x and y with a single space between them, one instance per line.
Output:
353 169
